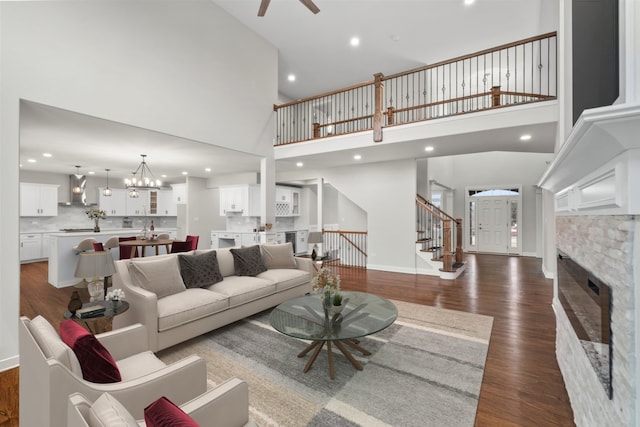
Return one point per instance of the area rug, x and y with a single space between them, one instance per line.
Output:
425 370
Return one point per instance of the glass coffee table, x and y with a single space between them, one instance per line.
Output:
305 318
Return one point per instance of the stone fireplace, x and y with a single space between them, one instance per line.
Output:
603 245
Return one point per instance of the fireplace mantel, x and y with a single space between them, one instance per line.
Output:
594 170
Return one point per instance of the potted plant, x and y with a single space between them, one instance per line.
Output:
337 302
96 215
327 285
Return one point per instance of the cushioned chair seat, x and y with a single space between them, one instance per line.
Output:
285 278
138 365
189 305
243 289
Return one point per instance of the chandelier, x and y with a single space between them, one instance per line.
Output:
142 179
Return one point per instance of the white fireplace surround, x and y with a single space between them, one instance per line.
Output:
595 179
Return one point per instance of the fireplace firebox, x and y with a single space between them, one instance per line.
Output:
587 302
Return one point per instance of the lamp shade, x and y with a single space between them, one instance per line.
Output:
95 264
315 237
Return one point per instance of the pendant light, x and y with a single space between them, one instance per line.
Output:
107 192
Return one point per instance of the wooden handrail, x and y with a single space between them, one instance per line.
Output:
472 55
276 107
426 202
353 244
431 211
345 231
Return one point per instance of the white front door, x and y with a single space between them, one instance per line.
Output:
493 224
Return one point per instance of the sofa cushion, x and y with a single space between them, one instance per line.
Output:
52 345
158 275
199 270
278 256
164 413
97 363
248 261
106 411
139 364
286 278
190 305
225 262
243 289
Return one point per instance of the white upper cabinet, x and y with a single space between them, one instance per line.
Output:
38 199
241 199
166 204
138 206
114 205
179 193
287 201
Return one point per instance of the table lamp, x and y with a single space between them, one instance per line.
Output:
315 237
95 265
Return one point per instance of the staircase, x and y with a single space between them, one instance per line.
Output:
436 233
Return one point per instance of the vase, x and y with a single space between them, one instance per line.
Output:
75 303
115 304
96 227
326 302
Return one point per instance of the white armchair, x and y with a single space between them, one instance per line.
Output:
226 405
50 372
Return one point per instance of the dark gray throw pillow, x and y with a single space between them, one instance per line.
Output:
201 270
248 261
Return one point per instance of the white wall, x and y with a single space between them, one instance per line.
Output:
496 168
166 66
386 192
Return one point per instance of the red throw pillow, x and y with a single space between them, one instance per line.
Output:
96 362
164 413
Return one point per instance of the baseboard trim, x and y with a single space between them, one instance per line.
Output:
548 274
9 363
391 268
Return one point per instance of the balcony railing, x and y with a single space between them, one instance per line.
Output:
511 74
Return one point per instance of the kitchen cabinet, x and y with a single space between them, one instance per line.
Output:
138 206
46 242
280 237
30 246
301 242
250 239
114 205
179 193
166 203
287 201
38 199
242 199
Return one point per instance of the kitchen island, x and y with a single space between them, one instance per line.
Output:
63 259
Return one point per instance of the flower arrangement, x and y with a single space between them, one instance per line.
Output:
115 295
94 213
325 282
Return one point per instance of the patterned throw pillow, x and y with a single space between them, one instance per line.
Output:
201 270
248 261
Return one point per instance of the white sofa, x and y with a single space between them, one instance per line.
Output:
174 313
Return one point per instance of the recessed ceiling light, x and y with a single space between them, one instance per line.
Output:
185 173
299 164
357 157
428 148
163 176
468 2
31 160
355 41
91 173
207 169
291 77
525 137
47 155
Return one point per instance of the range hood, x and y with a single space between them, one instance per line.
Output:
77 191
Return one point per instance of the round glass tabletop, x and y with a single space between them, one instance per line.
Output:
305 317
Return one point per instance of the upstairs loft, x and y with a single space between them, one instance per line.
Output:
516 82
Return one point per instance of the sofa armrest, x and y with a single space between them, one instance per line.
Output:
78 411
180 382
306 264
227 404
125 342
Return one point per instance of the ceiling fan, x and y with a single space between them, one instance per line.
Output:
264 4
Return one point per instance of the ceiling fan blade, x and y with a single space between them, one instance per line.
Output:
310 5
263 7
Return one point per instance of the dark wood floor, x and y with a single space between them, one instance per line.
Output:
522 384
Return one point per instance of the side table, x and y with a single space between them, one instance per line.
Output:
92 324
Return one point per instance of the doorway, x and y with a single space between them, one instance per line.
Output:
494 217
